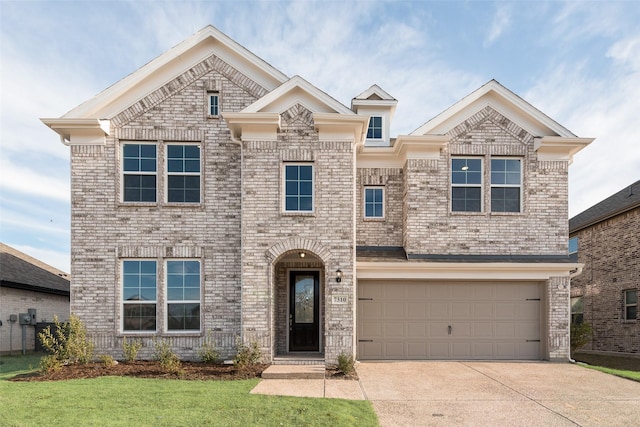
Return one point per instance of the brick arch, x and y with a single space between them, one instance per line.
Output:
298 244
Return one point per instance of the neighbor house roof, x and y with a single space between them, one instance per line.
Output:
19 270
623 201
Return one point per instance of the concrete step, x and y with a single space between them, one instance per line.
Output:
294 372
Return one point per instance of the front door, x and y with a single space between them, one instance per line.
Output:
304 309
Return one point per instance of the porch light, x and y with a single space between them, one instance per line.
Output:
338 275
302 254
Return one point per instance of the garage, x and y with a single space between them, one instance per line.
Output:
449 320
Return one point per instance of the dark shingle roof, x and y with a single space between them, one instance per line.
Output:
19 270
623 201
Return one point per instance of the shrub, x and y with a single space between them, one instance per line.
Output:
346 363
247 355
131 350
580 334
68 343
169 361
50 363
207 352
107 360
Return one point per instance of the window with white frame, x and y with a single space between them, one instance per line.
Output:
374 202
466 184
139 295
183 173
375 128
631 304
139 169
298 187
506 185
213 100
183 295
577 310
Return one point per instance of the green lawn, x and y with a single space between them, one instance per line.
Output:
625 367
117 401
631 375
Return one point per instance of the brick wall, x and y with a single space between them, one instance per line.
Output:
16 301
610 251
105 231
431 227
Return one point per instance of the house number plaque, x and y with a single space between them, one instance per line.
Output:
339 299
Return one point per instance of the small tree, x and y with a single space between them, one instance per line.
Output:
131 349
247 355
580 335
68 343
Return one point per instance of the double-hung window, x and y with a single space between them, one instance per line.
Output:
375 128
374 202
139 295
183 295
630 304
466 184
183 173
139 167
506 185
213 100
298 187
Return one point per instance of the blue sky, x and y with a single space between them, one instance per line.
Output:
579 62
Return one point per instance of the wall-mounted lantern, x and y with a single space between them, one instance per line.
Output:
338 275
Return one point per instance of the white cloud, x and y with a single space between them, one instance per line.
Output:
27 182
501 22
58 259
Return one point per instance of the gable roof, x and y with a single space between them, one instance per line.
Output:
172 63
374 93
294 91
623 201
502 100
19 270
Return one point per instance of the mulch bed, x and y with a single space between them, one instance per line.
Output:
147 369
152 369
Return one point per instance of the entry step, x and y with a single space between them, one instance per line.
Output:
294 372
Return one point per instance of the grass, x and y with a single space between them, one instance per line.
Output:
117 401
621 366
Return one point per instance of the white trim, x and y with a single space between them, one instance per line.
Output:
166 301
551 148
520 186
122 331
209 95
80 131
364 202
123 172
284 189
481 185
464 270
166 174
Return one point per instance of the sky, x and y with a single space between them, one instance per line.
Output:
577 61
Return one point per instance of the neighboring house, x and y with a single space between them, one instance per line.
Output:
212 195
27 284
606 238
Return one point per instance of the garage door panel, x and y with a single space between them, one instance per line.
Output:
410 320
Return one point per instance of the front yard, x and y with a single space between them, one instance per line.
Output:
124 401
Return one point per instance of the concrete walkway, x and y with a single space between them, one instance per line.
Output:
479 393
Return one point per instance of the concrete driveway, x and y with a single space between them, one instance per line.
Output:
497 394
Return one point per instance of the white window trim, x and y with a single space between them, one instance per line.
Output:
481 185
364 202
123 172
625 305
122 301
167 173
520 186
166 303
211 93
382 128
283 185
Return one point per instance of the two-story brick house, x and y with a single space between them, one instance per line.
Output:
214 196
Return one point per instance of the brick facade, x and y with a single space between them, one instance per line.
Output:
610 251
247 243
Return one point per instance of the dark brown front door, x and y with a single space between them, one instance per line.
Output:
304 307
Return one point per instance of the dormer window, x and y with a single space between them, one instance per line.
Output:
375 128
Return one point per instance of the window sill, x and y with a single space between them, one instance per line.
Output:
183 205
374 219
138 204
298 213
506 213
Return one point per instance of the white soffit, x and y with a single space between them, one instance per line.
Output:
502 100
171 64
297 91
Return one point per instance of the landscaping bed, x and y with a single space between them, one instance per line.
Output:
146 369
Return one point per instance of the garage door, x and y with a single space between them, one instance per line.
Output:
418 320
